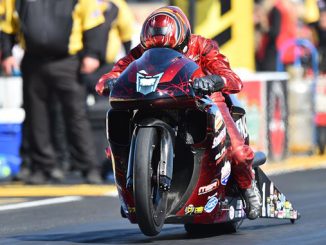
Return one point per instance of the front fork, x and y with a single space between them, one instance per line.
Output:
167 135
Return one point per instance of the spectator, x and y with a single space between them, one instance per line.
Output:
61 38
119 30
320 29
277 26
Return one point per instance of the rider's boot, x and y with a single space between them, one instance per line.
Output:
253 201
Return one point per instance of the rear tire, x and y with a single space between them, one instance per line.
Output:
150 200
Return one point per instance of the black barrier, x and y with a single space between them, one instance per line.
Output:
97 118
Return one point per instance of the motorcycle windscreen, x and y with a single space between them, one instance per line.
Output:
160 74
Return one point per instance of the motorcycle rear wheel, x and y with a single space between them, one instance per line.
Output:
150 200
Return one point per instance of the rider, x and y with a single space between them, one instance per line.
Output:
169 27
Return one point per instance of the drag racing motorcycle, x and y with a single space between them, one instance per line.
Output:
170 151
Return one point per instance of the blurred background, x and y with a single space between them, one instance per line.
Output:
278 48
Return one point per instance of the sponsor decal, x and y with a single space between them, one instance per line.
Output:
225 173
293 214
280 214
131 210
239 205
224 205
191 209
220 153
208 188
287 205
278 206
239 214
218 121
231 213
147 83
219 138
242 127
199 210
211 204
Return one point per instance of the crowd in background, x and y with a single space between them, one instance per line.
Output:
280 21
67 46
59 71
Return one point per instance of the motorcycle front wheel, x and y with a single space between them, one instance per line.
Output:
150 200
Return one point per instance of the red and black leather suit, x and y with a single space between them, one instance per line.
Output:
205 53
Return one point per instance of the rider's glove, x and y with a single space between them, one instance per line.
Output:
208 84
104 88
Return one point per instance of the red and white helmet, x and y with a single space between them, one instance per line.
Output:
166 27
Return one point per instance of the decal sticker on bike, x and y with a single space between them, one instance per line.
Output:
239 205
225 173
147 83
242 126
191 209
218 139
239 214
208 188
278 206
131 210
224 205
220 154
199 210
218 121
211 204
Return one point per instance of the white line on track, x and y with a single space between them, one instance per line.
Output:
38 203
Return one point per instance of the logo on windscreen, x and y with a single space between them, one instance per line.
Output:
147 83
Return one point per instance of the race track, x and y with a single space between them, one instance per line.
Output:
96 220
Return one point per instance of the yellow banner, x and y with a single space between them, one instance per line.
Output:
230 23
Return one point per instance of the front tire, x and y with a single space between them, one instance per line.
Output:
150 200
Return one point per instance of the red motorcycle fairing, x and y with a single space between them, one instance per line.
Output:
202 189
158 79
204 176
207 199
200 170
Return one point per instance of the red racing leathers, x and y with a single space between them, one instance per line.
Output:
206 54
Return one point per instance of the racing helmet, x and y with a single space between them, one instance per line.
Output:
166 27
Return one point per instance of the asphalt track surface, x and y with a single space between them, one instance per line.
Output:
96 220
